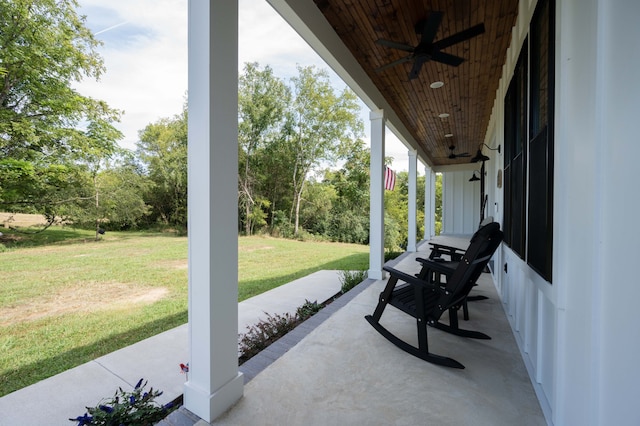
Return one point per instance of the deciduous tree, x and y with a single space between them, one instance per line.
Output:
163 150
45 123
262 102
322 122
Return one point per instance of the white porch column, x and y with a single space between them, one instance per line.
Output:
214 381
413 212
429 201
376 226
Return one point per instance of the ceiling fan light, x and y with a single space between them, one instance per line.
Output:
443 115
436 84
448 135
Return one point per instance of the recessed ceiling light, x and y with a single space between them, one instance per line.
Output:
448 135
443 115
436 85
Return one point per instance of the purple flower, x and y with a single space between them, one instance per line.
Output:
132 400
83 420
139 383
168 405
106 408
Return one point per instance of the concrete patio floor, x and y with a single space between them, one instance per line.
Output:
345 373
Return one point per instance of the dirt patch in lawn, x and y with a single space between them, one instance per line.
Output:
252 249
85 298
175 264
21 219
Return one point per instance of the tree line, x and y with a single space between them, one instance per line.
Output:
303 167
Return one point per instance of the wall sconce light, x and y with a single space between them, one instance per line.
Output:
474 178
480 156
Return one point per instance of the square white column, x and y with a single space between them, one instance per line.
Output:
376 227
413 212
214 381
429 202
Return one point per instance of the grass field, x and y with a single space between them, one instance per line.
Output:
66 299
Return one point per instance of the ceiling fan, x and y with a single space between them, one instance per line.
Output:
427 49
453 156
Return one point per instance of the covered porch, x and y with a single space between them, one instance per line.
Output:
556 188
344 372
337 369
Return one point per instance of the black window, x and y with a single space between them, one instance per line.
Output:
515 161
528 139
540 222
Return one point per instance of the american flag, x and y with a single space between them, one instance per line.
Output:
389 178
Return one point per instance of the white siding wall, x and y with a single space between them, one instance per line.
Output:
578 336
461 203
529 300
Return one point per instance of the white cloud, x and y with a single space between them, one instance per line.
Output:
145 54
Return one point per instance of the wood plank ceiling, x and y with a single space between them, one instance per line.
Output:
469 89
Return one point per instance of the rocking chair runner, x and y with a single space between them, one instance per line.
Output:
427 298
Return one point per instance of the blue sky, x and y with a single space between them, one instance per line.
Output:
145 53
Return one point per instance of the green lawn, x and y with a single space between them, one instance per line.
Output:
66 299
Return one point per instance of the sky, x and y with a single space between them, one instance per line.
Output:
145 55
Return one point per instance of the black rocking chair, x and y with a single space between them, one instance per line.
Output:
439 289
454 255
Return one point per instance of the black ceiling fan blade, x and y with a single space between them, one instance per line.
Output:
394 45
459 37
417 66
394 63
454 156
430 28
446 58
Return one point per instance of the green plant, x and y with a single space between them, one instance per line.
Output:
308 309
264 333
127 408
350 279
388 255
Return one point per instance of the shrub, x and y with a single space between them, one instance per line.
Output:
267 331
350 279
264 333
389 255
127 408
308 309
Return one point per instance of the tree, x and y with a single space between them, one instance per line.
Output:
438 204
48 189
45 124
396 208
163 150
350 212
262 102
317 210
397 211
122 204
321 124
112 197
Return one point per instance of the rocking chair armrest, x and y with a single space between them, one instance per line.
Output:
438 249
410 279
435 266
437 246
